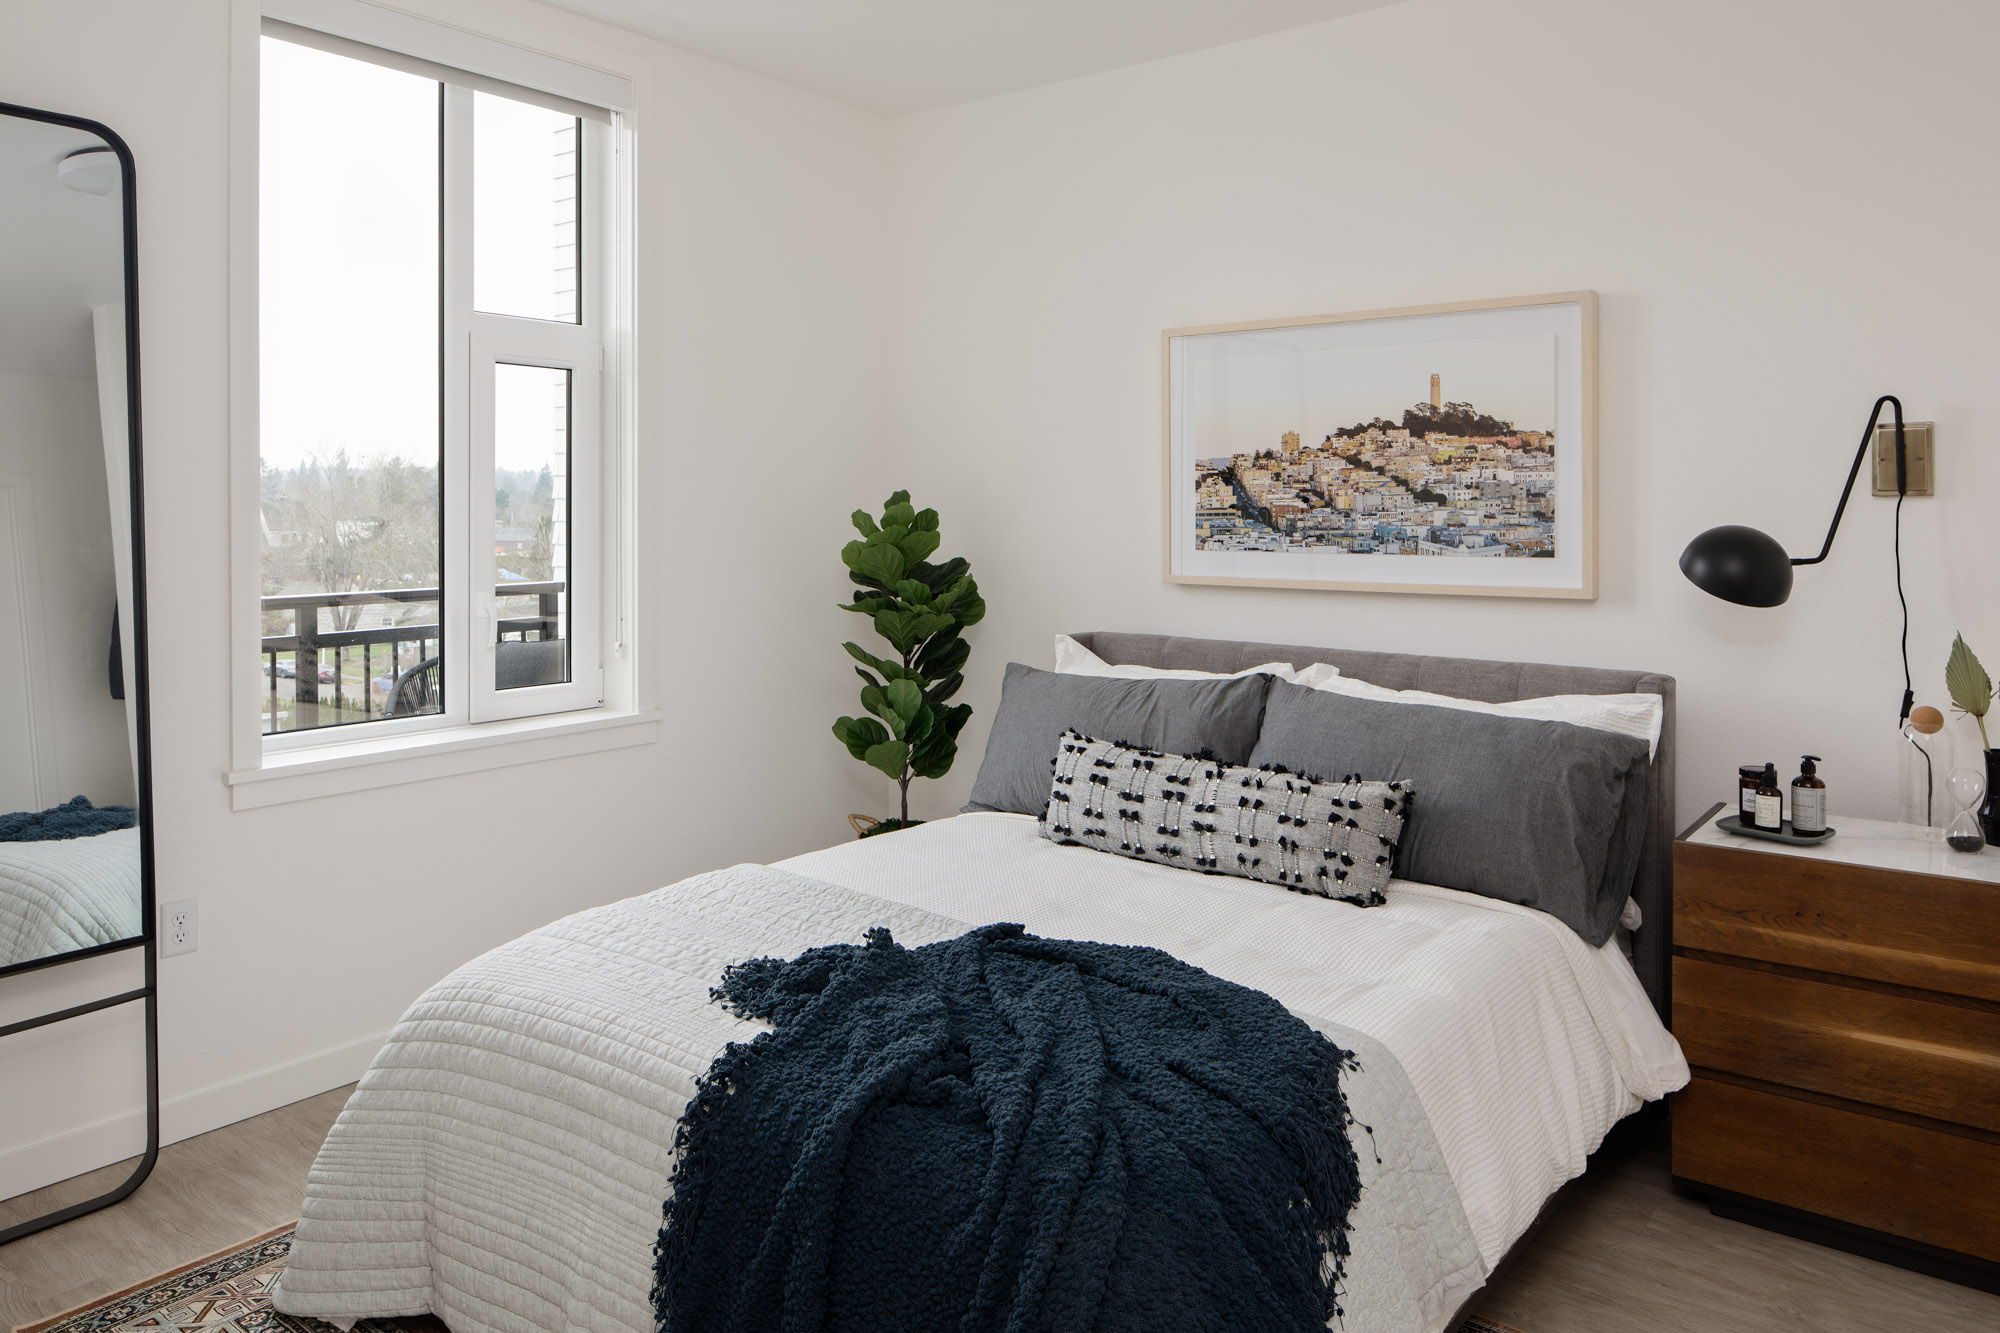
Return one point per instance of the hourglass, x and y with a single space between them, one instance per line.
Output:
1967 786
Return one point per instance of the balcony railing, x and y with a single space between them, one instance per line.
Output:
320 663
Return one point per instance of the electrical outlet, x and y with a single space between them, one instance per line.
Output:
1918 438
179 928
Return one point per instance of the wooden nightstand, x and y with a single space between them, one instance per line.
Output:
1840 1008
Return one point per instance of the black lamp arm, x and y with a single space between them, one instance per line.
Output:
1867 438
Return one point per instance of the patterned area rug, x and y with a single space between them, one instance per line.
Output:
230 1293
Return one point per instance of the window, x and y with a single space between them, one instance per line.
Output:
432 306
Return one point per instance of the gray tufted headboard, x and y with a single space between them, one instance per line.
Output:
1490 682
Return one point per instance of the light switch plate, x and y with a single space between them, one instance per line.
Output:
1917 440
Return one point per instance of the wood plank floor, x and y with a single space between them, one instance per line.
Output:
1620 1251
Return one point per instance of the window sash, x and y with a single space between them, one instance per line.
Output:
473 343
497 340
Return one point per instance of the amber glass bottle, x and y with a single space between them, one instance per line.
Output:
1770 801
1809 798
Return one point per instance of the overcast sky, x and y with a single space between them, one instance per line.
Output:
350 254
1245 390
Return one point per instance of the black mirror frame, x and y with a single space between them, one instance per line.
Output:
141 696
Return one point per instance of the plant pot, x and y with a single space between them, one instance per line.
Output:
1989 810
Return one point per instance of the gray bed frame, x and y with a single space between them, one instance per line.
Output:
1489 682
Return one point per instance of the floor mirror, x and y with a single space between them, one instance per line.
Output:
76 818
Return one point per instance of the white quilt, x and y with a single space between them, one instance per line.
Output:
67 894
1524 1043
504 1161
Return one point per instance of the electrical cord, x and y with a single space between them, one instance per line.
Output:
1909 693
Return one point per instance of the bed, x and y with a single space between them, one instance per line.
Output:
63 895
504 1162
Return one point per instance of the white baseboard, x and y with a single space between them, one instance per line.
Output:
89 1147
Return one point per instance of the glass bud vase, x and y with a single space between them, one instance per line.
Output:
1920 773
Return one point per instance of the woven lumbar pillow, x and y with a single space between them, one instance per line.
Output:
1335 839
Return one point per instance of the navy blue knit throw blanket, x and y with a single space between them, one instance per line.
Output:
74 818
1001 1132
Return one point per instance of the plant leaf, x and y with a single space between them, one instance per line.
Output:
969 607
940 577
880 558
883 666
905 699
877 702
937 694
932 759
943 655
888 756
858 734
917 545
1970 687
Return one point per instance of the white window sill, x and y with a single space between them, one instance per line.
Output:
330 770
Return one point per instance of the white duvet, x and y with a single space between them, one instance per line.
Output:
67 894
1524 1043
504 1161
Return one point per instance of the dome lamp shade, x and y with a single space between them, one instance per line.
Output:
1740 565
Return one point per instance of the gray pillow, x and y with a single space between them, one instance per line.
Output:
1545 814
1217 717
1333 839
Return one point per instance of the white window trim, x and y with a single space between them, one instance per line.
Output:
495 341
455 48
302 766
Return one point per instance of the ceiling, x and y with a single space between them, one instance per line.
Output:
894 57
64 253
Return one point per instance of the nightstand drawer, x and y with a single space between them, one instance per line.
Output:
1930 1059
1931 932
1938 1188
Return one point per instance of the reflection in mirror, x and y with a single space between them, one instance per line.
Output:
70 875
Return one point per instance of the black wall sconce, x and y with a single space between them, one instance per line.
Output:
1748 567
1743 565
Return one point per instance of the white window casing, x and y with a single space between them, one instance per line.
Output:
598 706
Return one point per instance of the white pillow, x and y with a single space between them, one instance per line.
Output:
1637 715
1073 659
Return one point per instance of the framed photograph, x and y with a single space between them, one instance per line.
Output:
1440 449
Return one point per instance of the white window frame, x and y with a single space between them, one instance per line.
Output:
495 341
603 705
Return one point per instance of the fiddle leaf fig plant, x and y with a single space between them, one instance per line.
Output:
1971 689
910 728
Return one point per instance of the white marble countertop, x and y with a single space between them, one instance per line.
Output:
1867 842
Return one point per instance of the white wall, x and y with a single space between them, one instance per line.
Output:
49 434
762 259
1785 211
1703 166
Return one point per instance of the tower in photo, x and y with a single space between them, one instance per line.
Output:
1437 392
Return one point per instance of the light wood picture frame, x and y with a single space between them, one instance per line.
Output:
1301 453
